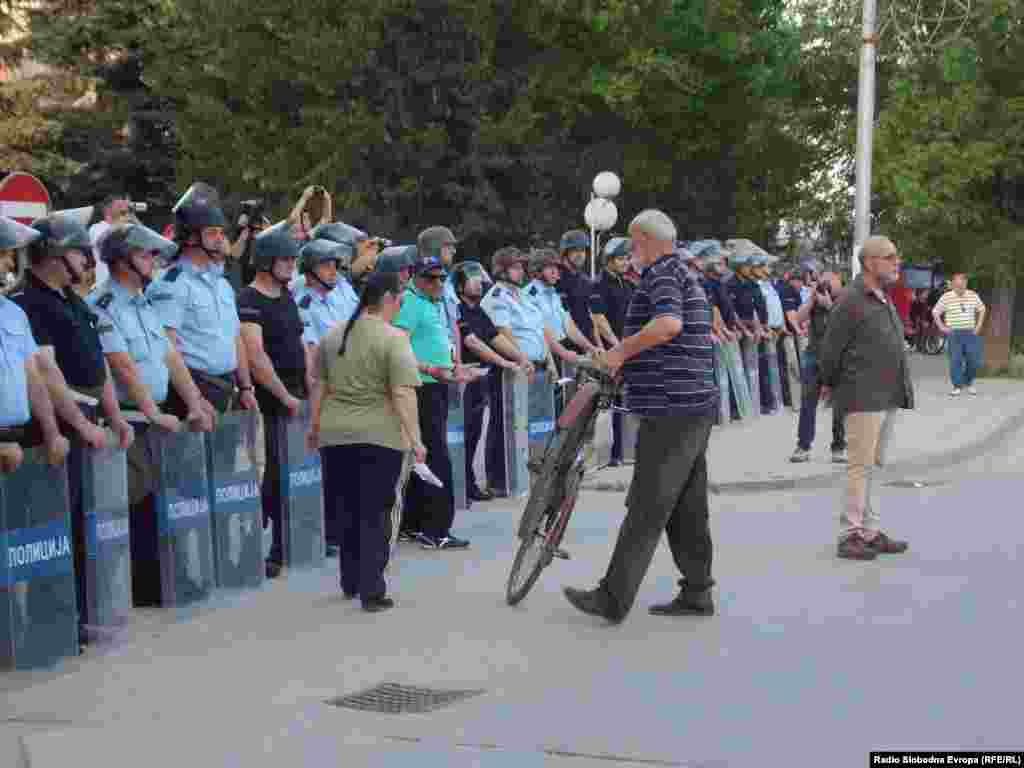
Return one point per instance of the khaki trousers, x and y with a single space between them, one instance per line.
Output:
867 437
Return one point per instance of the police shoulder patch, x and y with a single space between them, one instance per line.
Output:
306 301
172 274
104 301
533 290
496 292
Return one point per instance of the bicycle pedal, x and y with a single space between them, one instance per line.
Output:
561 554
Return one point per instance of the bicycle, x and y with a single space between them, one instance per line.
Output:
556 479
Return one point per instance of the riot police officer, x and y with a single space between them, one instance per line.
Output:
320 305
521 323
197 306
145 364
574 285
23 393
560 330
71 360
362 261
272 332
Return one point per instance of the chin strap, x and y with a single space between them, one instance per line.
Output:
76 278
326 286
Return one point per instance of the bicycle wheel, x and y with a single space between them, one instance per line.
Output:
568 503
934 344
544 509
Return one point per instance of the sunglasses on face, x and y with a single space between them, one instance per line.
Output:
434 278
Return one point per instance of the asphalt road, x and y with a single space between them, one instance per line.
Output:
810 660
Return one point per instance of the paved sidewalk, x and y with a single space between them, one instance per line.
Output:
942 431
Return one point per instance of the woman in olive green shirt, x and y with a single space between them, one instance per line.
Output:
364 421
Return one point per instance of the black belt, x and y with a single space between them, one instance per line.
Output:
13 434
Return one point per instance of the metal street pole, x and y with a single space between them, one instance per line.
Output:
865 128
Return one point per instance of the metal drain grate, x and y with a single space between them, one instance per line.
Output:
395 699
914 483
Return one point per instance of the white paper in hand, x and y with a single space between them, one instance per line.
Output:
423 473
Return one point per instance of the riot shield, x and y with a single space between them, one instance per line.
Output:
457 444
722 379
630 429
513 478
302 502
183 517
738 384
38 615
108 565
541 408
237 513
751 369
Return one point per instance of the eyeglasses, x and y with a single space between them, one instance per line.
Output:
434 278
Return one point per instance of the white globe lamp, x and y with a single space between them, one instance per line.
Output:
600 214
607 185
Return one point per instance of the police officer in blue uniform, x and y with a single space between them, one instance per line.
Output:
273 335
560 331
197 306
321 307
23 393
144 365
361 263
522 323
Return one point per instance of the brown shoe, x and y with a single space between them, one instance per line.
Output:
855 548
883 545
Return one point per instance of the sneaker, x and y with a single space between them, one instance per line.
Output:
955 392
445 542
883 545
839 456
378 604
973 391
409 537
595 602
800 456
273 569
855 548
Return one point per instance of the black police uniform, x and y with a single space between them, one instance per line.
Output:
575 290
610 297
282 340
474 321
63 321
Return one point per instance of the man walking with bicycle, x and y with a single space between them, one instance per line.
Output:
667 358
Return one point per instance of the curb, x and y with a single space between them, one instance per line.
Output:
820 481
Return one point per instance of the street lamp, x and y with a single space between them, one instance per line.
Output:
601 213
865 128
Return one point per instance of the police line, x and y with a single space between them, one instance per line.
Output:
209 520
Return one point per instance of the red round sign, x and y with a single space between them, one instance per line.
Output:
23 198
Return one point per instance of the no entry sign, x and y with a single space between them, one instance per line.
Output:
23 198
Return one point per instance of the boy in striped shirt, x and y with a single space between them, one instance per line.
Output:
959 314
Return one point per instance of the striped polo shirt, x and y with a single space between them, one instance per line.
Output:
961 311
677 377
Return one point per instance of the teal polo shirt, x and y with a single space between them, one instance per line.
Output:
423 319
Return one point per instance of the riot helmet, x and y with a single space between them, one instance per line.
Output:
122 239
398 259
272 245
15 235
197 209
432 241
506 258
60 233
574 240
465 271
320 251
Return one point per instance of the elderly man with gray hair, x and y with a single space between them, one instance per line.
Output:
667 358
864 360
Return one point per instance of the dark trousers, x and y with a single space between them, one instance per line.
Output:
430 509
809 408
76 504
364 500
763 363
475 403
669 493
496 447
274 418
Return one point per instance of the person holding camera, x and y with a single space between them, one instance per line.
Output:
815 313
251 221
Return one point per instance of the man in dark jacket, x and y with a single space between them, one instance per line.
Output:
864 362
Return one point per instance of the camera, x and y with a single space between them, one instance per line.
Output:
139 207
253 210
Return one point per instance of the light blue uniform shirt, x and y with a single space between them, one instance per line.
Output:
776 317
805 294
16 347
549 301
507 308
129 323
319 313
200 307
346 296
